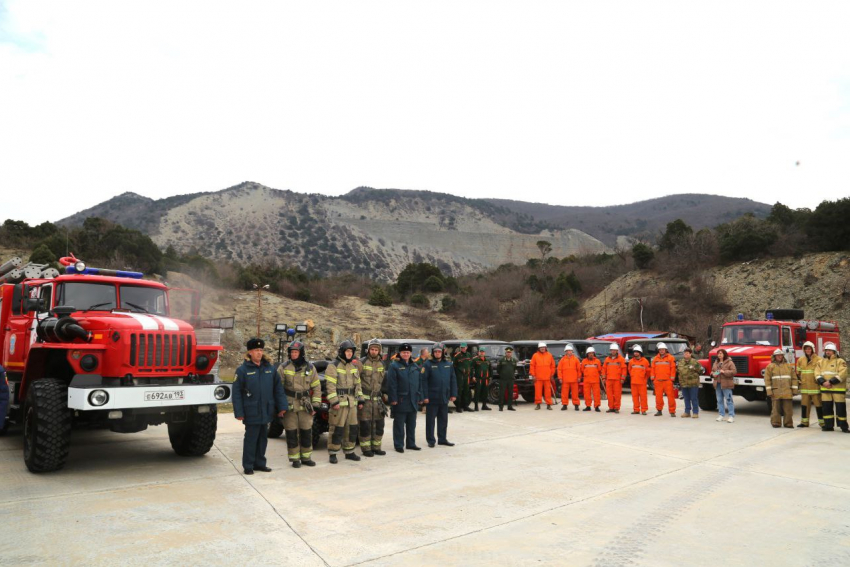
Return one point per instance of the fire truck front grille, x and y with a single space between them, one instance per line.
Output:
160 352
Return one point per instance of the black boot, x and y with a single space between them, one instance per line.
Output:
334 459
352 457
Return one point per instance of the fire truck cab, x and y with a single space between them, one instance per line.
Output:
750 345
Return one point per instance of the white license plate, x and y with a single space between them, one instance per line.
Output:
167 395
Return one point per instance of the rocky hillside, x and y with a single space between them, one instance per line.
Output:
818 283
372 236
642 218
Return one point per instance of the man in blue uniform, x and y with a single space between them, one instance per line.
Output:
441 388
258 396
406 389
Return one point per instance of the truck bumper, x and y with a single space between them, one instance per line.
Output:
82 394
739 381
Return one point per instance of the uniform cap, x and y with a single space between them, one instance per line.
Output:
255 343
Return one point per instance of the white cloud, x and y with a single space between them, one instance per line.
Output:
568 103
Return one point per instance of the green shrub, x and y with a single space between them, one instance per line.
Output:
380 297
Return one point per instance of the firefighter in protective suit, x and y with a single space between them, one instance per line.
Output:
809 388
780 381
831 374
371 415
345 398
299 377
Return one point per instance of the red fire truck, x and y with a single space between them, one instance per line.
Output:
750 345
97 347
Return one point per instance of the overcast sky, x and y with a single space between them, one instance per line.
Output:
587 103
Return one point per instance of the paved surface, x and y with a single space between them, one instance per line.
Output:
528 487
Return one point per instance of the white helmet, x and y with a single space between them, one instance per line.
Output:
569 347
589 350
541 345
637 349
661 345
778 351
614 346
830 346
809 344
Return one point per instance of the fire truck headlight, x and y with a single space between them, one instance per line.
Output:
98 398
221 392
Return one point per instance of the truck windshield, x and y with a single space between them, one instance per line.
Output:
86 296
492 351
143 299
767 335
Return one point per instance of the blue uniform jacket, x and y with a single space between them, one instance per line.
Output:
406 385
258 394
4 397
440 380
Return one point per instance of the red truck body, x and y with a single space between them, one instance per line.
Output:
106 349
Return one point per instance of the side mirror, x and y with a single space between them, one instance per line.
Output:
34 304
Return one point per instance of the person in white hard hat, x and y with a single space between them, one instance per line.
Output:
831 374
542 369
780 381
569 371
809 388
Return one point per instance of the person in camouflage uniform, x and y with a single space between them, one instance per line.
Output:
299 377
688 371
345 398
462 360
371 415
481 379
507 372
809 388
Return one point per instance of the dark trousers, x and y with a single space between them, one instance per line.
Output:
254 446
440 414
506 393
404 424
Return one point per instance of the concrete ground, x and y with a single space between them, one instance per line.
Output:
525 487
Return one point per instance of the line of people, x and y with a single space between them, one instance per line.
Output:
360 392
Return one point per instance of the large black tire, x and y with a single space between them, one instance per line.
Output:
493 392
47 425
707 398
195 436
276 428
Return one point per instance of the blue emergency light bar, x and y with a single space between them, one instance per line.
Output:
86 271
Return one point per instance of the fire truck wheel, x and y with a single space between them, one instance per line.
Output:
196 435
707 398
47 425
276 428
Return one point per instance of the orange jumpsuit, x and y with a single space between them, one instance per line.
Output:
638 372
591 369
542 367
663 374
569 371
614 374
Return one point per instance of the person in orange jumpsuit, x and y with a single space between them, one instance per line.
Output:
591 369
639 370
542 369
569 371
663 373
614 374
